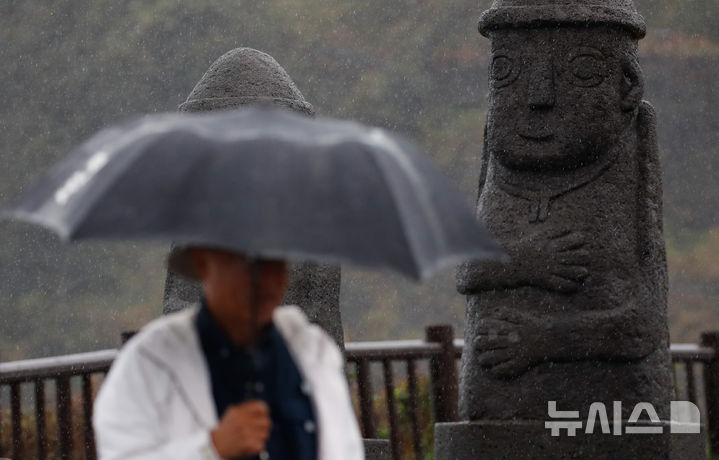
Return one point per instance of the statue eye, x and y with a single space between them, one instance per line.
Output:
587 67
503 71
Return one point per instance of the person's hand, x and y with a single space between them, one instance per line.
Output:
243 430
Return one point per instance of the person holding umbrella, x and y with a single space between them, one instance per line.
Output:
240 191
236 378
261 399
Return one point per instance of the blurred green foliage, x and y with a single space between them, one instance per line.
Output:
71 67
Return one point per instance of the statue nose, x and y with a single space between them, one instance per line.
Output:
541 86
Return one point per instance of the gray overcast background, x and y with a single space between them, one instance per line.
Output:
419 67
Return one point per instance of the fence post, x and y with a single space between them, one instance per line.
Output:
64 417
89 434
16 408
711 388
443 374
364 387
40 425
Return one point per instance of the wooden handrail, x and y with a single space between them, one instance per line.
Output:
690 351
57 366
99 361
395 349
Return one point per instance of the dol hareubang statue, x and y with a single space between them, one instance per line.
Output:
570 185
240 77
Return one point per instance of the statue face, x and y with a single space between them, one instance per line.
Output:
558 96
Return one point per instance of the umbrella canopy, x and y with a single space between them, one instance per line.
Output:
264 182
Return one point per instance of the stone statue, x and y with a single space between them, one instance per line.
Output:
247 76
570 185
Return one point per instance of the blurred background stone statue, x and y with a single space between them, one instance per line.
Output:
240 77
570 185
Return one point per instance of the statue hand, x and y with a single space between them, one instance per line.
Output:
555 260
508 345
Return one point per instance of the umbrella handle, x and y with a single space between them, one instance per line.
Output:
254 328
254 320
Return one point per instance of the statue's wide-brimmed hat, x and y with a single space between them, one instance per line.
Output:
504 14
245 76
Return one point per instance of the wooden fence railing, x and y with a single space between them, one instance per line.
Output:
696 375
61 370
440 349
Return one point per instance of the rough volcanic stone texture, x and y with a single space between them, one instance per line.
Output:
377 449
316 288
533 13
247 76
570 186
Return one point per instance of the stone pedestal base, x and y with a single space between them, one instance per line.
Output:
377 449
530 440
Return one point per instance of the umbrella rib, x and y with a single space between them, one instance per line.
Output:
378 138
410 243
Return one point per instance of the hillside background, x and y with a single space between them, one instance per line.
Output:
69 68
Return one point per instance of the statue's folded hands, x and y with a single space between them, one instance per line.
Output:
510 344
552 259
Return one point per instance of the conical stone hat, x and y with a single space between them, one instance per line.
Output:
505 14
245 76
239 77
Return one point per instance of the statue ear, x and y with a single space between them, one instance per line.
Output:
632 85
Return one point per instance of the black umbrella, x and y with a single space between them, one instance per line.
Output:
264 182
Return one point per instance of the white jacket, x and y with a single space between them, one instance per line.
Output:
156 402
